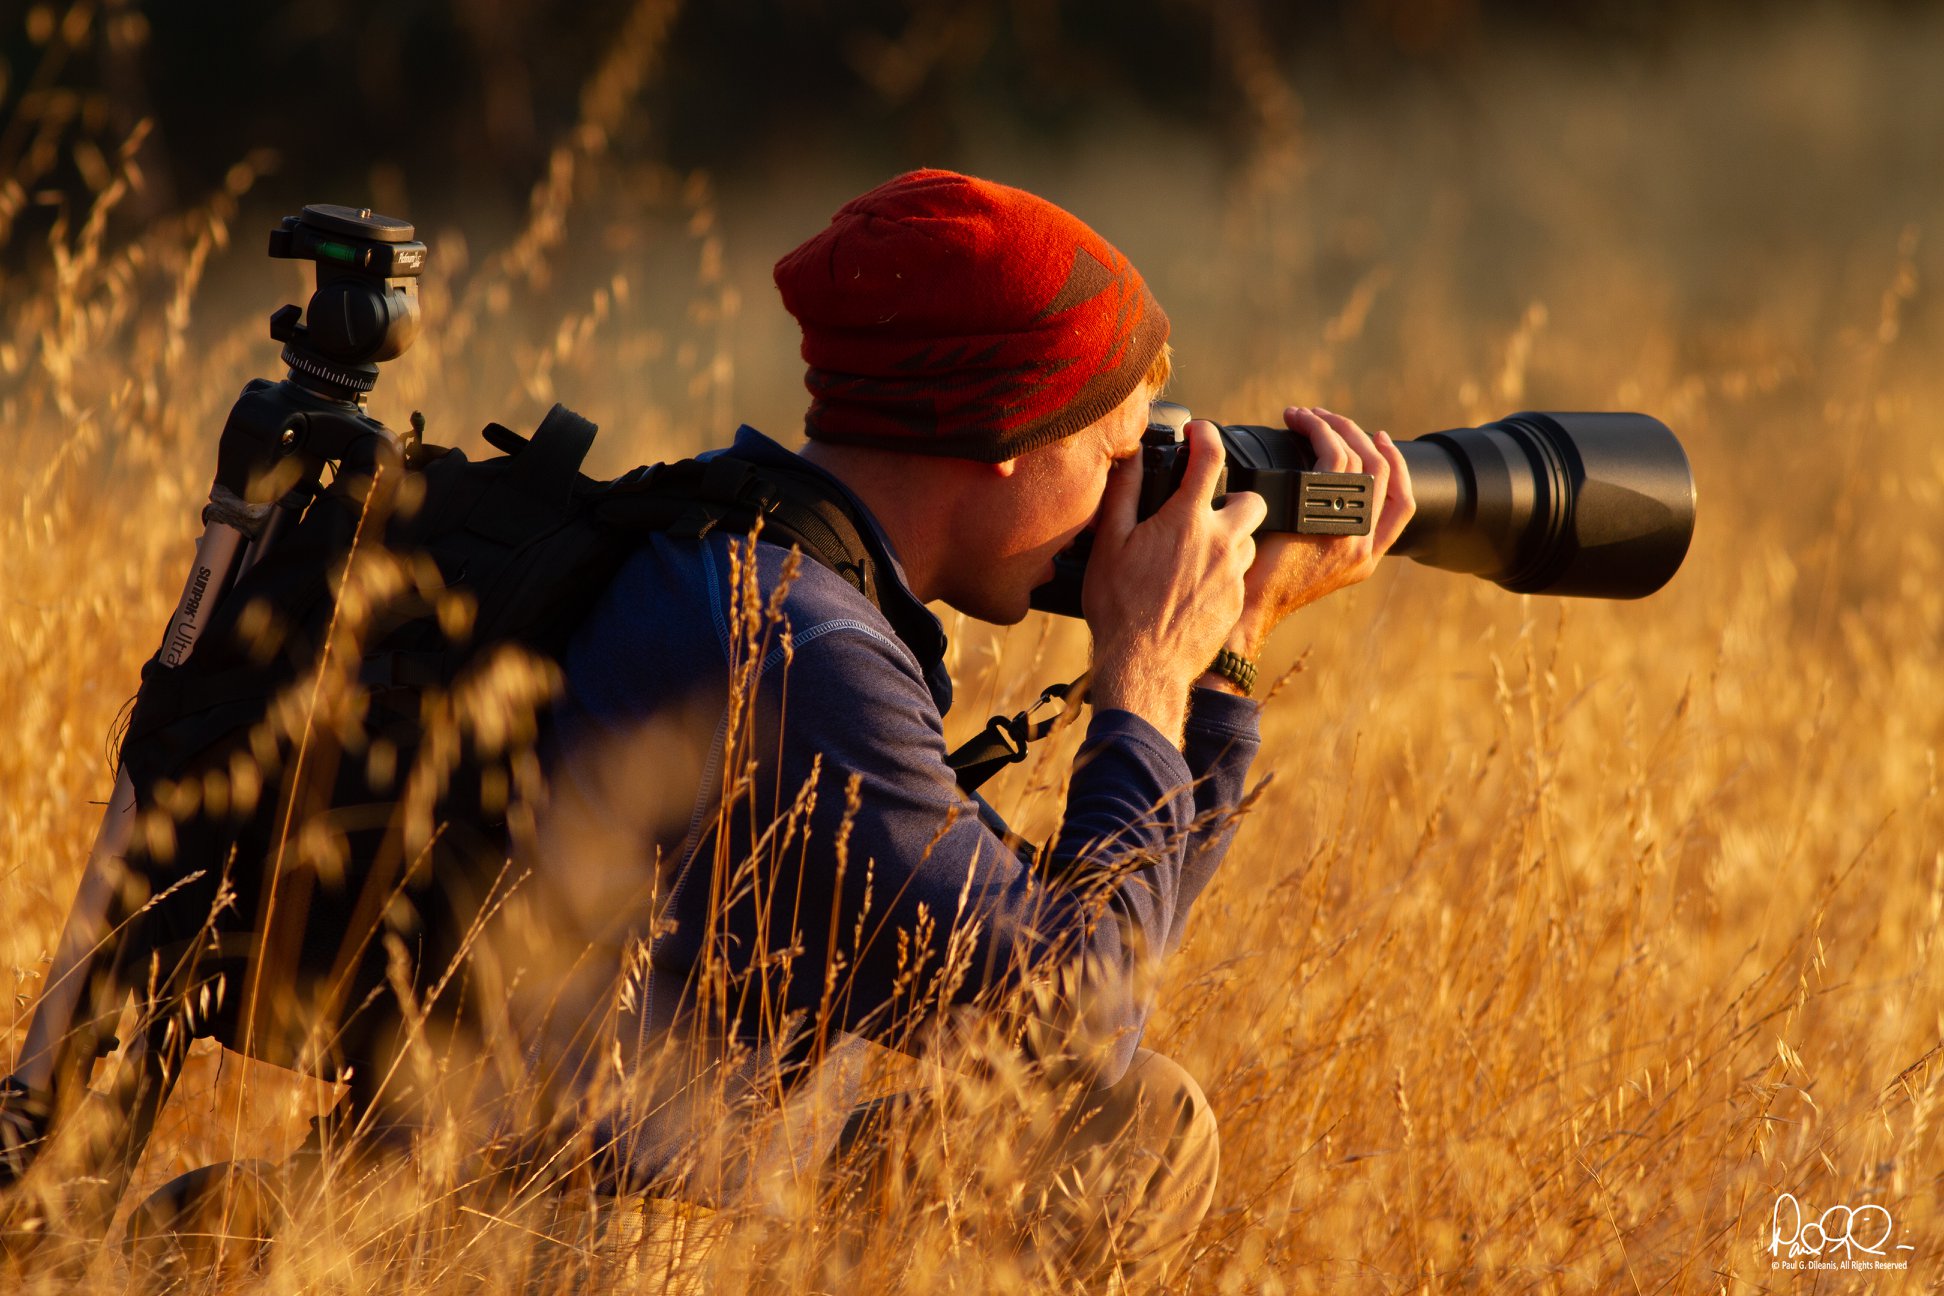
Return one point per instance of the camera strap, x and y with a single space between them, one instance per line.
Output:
1004 739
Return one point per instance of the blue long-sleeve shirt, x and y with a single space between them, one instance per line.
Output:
818 906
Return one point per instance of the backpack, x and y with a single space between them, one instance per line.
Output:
330 785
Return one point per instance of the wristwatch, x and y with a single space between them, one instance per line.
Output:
1235 668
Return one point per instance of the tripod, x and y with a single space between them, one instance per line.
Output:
276 444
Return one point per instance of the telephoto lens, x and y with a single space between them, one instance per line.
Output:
1594 505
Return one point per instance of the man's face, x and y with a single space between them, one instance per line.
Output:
1019 521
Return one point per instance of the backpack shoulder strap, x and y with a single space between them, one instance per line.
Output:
807 513
695 496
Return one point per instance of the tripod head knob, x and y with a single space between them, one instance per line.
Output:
366 307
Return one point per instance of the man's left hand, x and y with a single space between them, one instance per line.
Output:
1291 571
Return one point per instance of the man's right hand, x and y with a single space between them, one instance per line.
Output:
1162 595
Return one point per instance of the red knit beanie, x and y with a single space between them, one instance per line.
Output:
954 316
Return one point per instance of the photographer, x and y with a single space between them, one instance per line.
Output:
800 866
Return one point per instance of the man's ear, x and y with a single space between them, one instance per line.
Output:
1005 467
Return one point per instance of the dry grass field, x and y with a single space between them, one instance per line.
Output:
1565 936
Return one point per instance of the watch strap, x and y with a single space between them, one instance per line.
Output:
1235 668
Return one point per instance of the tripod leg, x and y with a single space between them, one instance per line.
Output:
45 1055
50 1059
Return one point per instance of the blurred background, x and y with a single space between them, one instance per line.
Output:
1279 171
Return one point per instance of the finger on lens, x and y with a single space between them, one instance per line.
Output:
1400 474
1400 502
1362 446
1205 460
1333 453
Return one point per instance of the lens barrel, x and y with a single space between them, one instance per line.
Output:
1592 504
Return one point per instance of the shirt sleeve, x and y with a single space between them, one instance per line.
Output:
860 888
1223 734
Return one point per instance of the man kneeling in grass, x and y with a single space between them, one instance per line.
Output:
752 815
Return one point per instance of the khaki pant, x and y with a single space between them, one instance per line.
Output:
1114 1190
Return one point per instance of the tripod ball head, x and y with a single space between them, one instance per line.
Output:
366 307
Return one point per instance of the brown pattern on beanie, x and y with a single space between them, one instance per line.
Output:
953 316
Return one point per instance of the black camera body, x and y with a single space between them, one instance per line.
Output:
1300 499
1595 505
